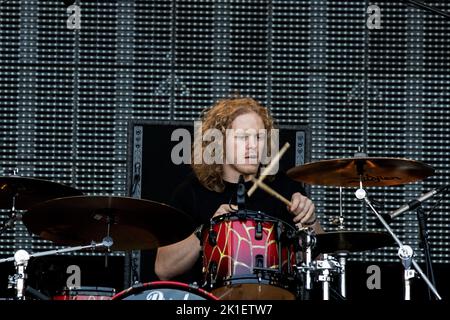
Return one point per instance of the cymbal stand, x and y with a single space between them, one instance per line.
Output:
405 252
109 220
13 216
341 211
342 256
326 265
21 258
406 255
339 221
106 215
309 241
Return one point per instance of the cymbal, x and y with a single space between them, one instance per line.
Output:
351 241
31 191
135 223
375 172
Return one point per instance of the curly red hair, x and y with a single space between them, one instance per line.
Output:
220 116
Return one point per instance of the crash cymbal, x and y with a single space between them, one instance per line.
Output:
351 241
374 172
31 191
135 224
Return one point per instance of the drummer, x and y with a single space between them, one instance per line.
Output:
211 190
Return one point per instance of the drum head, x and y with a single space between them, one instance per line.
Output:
164 290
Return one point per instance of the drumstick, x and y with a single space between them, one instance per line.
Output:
270 191
267 169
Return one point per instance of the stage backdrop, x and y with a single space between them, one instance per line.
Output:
70 83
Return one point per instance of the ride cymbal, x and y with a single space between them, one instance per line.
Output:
373 171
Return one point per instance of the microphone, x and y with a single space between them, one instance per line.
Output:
416 202
241 197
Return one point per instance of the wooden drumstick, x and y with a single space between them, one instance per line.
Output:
267 169
270 191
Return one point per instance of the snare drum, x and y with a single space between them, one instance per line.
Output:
251 257
86 293
164 290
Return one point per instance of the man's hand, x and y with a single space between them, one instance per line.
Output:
303 208
225 208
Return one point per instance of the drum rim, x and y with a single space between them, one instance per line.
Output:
84 291
164 285
254 215
89 288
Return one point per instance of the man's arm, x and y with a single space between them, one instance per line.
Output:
175 259
178 258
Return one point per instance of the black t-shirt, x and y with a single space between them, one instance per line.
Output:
200 203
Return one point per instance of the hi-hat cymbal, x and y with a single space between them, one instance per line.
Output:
374 172
351 241
31 191
135 224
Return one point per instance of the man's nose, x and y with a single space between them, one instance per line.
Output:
252 142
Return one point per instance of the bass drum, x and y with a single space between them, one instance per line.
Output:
164 290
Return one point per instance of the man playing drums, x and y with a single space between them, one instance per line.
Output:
211 190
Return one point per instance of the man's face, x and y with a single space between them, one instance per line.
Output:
245 144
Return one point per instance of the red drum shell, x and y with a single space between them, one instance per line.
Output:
239 264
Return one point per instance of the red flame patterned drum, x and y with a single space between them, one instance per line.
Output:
250 257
